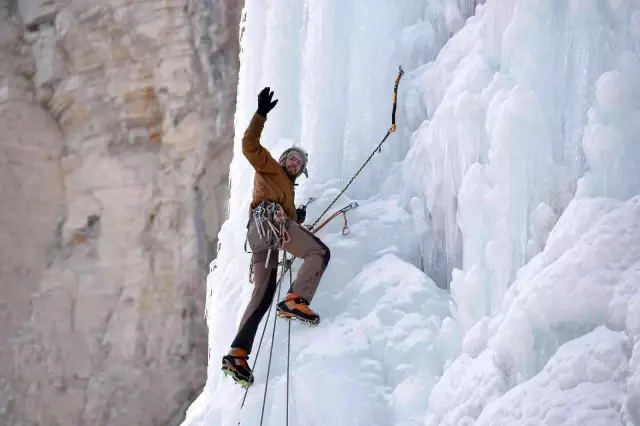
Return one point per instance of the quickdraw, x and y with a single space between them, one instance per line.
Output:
343 211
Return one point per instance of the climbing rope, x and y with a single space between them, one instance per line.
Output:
264 329
273 335
288 344
378 148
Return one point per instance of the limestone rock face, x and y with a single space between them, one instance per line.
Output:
117 129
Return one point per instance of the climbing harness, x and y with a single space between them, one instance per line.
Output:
269 222
287 263
265 218
262 218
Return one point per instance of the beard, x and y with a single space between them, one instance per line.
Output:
291 171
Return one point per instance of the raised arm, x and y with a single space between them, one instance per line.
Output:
258 156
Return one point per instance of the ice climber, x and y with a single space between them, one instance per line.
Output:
274 224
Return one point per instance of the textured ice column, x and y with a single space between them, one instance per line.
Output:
325 60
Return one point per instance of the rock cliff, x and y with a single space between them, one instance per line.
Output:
116 121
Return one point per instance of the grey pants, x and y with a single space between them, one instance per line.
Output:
302 244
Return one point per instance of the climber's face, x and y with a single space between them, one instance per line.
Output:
293 164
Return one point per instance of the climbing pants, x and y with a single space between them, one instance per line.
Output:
301 244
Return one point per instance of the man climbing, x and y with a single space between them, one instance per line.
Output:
274 224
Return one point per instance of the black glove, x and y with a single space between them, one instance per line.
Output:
264 102
301 213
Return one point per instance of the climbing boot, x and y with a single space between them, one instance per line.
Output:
235 365
295 307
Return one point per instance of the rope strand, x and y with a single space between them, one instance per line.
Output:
264 329
273 334
378 148
288 348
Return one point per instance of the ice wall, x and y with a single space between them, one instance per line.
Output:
531 103
512 182
332 66
527 164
